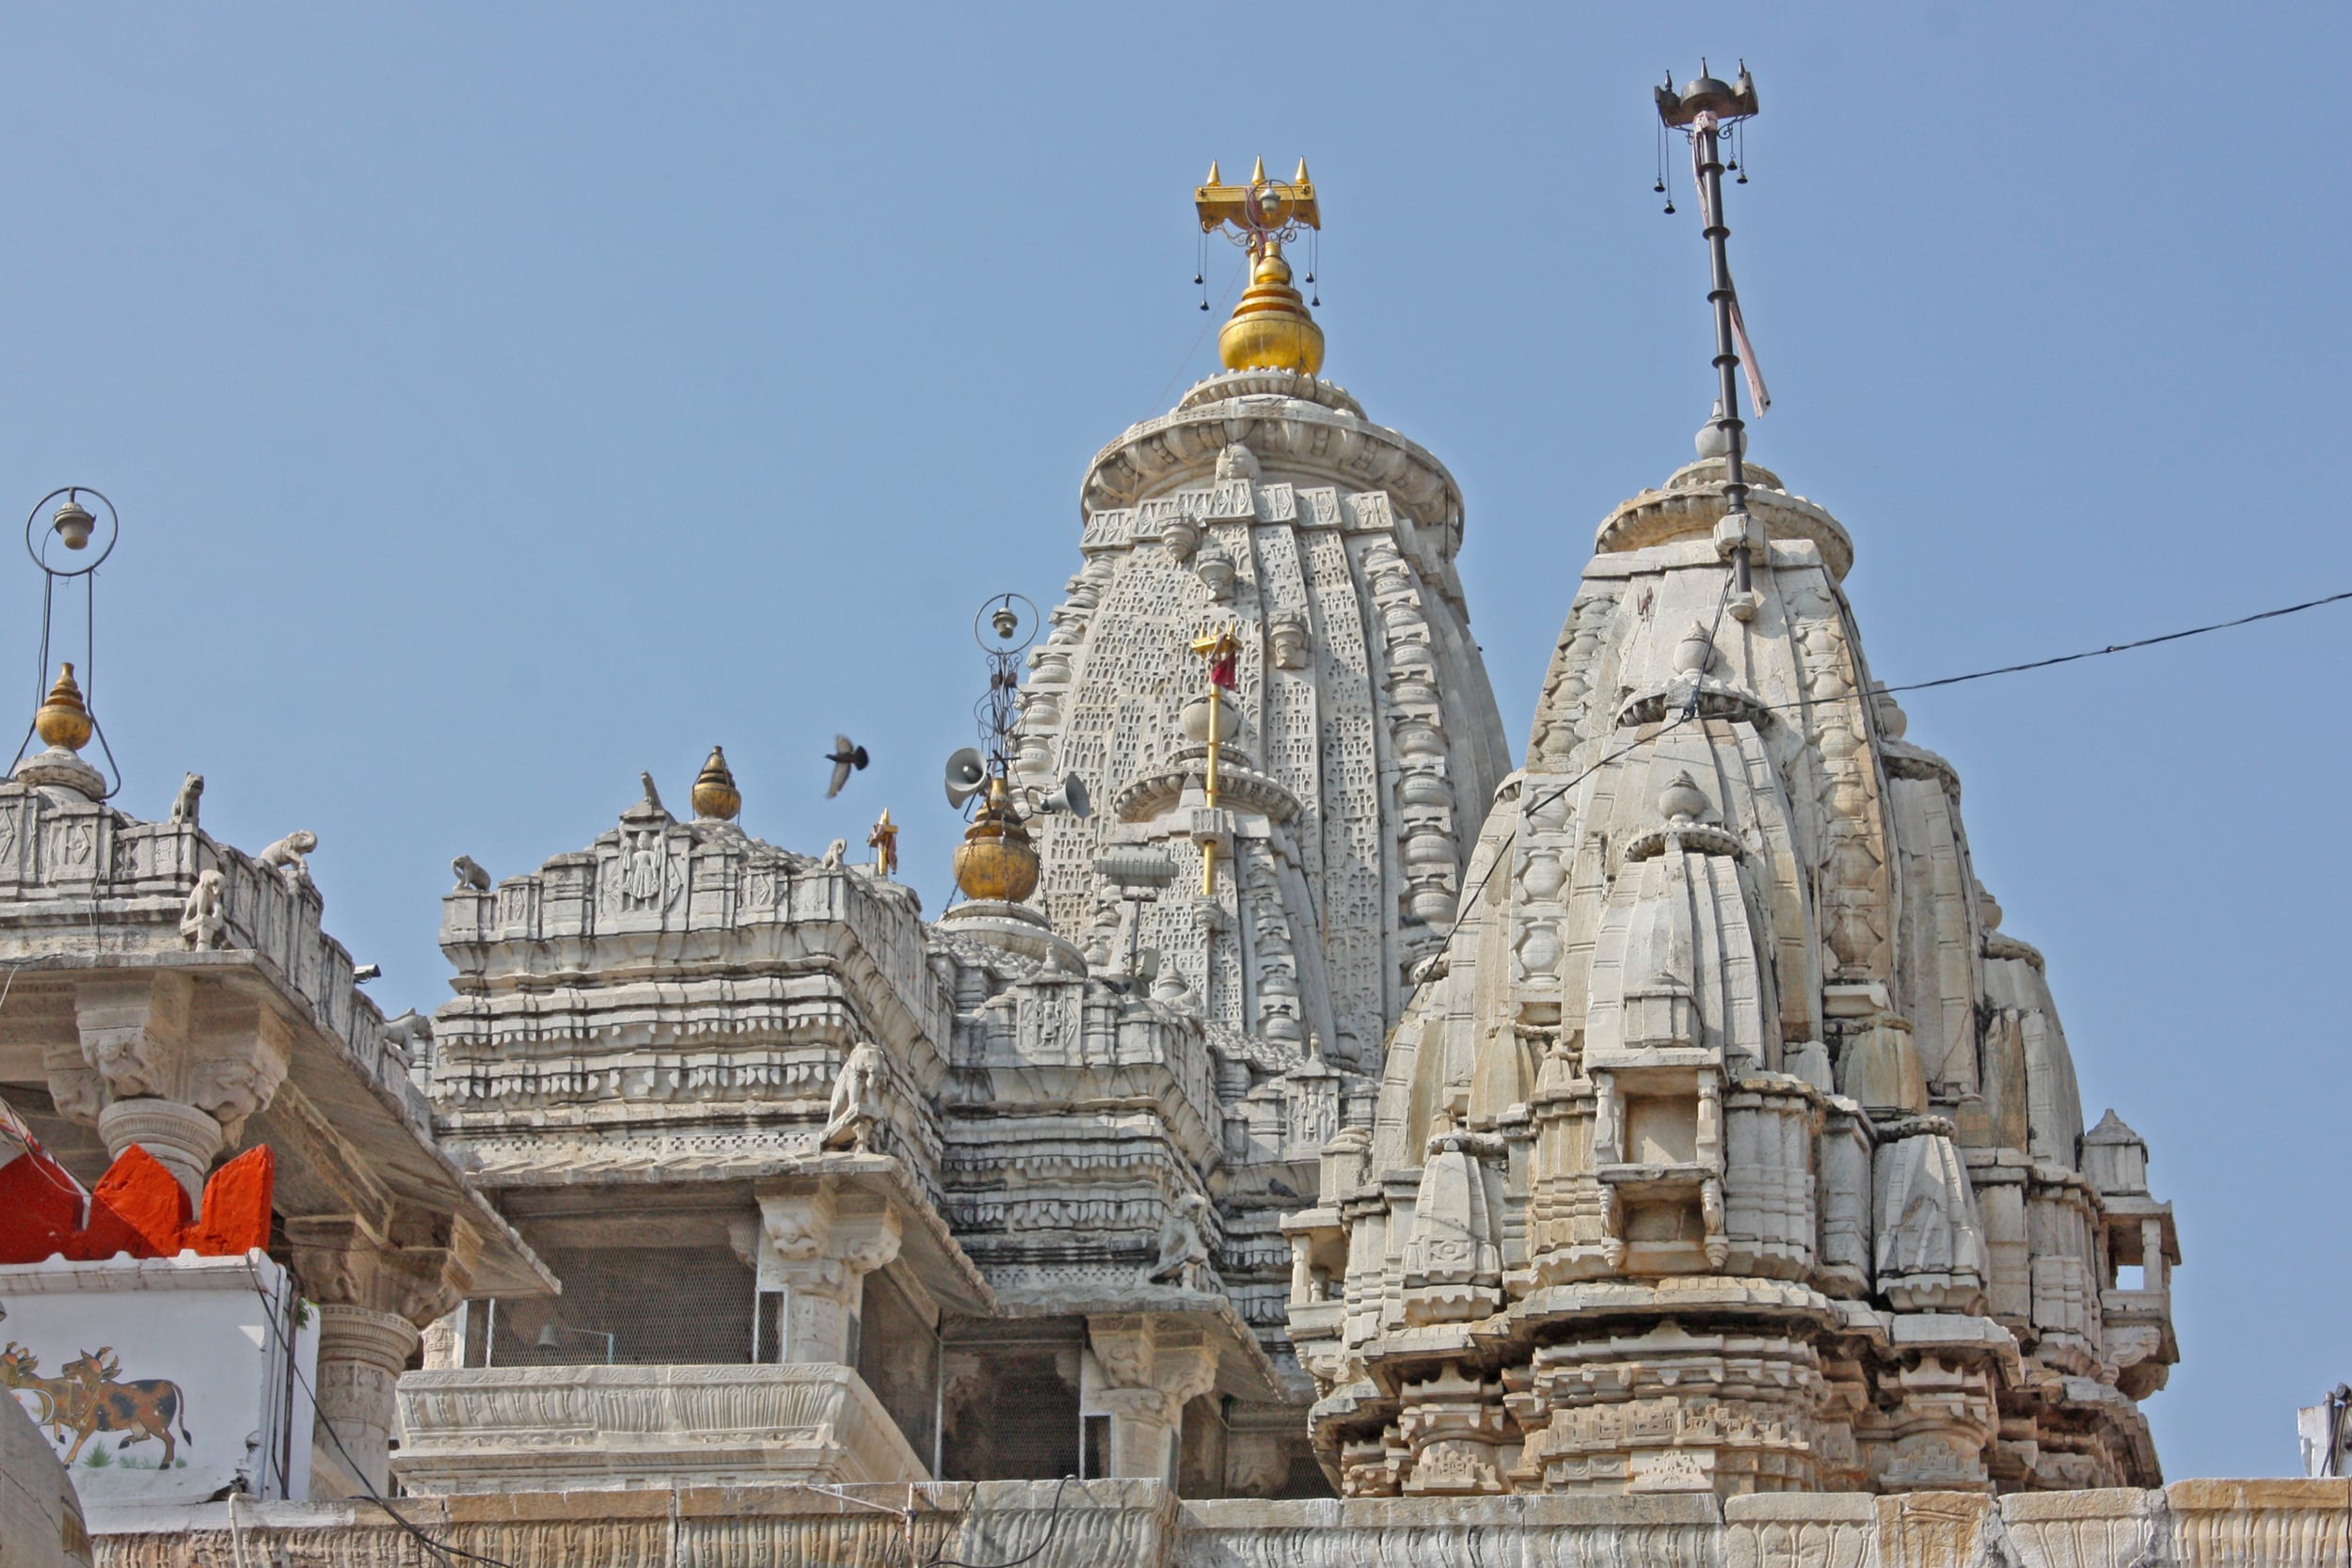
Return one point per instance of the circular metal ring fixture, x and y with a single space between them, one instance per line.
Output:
1005 625
71 527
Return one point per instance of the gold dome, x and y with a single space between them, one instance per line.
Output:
63 721
1271 329
715 795
996 859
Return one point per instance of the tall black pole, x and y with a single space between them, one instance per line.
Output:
1702 109
1710 167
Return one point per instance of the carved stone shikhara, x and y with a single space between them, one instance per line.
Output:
1689 1128
1735 1147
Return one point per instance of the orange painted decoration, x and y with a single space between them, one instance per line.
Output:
236 1206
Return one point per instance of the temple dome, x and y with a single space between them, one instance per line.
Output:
1770 1134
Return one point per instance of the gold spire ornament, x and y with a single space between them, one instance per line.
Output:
996 861
1270 328
715 797
63 719
883 841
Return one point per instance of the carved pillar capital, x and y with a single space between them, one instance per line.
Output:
1152 1366
163 1063
416 1271
826 1238
185 1139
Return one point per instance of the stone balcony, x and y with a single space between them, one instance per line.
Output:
536 1429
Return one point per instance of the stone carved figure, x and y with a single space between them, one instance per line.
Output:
653 796
641 868
470 874
1183 1260
1289 635
290 856
834 854
856 1104
184 804
201 918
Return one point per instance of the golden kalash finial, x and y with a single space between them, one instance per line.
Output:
716 799
1270 329
883 841
996 859
62 719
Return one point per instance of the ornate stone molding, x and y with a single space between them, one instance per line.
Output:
530 1428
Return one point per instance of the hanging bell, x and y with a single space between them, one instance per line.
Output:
1660 186
1204 304
1005 621
1198 279
1744 178
1670 205
73 523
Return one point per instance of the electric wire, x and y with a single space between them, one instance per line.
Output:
1161 396
1052 1526
1689 709
440 1549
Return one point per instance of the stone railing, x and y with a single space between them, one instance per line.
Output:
1130 1523
1136 1524
79 878
531 1429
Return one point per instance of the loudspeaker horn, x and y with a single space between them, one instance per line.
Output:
967 774
1071 797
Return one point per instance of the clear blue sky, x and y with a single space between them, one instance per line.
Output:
502 400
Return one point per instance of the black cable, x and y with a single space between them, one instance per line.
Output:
438 1548
1689 710
2125 647
1052 1524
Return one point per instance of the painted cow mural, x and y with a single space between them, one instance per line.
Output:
89 1400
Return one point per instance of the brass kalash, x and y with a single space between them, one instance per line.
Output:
1270 329
997 861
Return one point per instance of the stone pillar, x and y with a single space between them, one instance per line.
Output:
173 1067
826 1239
183 1138
1151 1365
361 1354
373 1296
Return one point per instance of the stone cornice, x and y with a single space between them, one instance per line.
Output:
1296 436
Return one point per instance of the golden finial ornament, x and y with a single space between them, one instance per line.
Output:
63 719
996 859
1270 329
883 841
716 799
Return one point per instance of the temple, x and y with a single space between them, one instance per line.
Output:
1313 1133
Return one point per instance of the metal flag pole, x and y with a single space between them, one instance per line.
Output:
1701 110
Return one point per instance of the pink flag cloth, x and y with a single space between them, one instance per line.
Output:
1757 392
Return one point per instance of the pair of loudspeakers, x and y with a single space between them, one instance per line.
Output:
966 775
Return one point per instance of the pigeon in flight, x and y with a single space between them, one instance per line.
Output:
843 756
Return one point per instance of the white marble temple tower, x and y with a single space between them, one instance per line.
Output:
1732 1145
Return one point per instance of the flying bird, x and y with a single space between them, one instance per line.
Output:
844 757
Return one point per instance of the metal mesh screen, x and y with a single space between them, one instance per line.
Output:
649 1306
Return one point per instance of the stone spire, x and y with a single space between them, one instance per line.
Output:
1733 1145
1365 745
